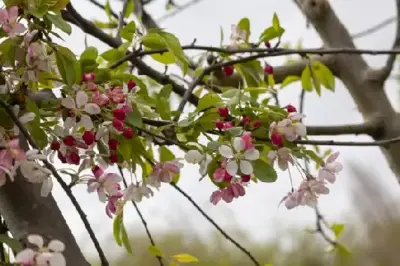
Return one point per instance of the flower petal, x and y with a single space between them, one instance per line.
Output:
36 240
225 151
238 144
56 245
252 154
332 157
81 99
232 168
301 129
92 108
25 256
47 186
194 156
246 167
57 260
87 122
68 103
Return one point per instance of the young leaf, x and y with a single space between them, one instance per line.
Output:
165 154
306 82
67 65
289 80
264 172
155 251
90 53
209 100
135 118
125 239
337 229
129 8
128 31
275 22
13 243
185 258
59 22
117 229
324 75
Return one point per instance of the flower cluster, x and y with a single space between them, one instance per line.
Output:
42 255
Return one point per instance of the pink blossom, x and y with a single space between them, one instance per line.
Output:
112 204
104 184
8 17
227 194
227 125
330 169
116 95
284 158
216 196
164 172
16 152
248 141
100 99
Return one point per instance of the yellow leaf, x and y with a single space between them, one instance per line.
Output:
185 258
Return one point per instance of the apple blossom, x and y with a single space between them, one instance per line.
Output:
196 157
239 157
237 35
24 119
136 192
104 184
330 168
50 255
112 203
8 18
227 194
81 104
164 172
284 158
290 127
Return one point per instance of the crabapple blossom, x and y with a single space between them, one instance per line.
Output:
8 18
290 127
50 255
112 203
227 194
81 104
136 192
306 194
196 157
104 184
164 172
37 61
330 168
237 35
24 119
239 156
284 158
116 95
100 99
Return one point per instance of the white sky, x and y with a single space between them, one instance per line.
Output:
257 212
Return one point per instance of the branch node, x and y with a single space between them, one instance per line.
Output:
314 9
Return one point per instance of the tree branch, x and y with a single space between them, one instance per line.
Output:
141 217
384 73
144 69
64 186
208 218
370 128
374 28
178 9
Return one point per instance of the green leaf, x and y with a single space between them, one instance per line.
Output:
117 229
231 93
33 126
135 118
107 8
125 239
185 258
244 24
275 22
59 22
128 31
337 229
324 75
306 82
271 33
90 53
155 251
312 155
163 103
67 65
209 100
165 154
13 243
289 80
264 172
161 40
129 8
252 73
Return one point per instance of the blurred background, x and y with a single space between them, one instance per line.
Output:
365 197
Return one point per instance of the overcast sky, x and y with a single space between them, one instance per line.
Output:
257 212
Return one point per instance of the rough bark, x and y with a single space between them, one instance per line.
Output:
362 82
26 212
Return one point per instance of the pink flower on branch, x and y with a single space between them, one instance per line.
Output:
8 18
164 172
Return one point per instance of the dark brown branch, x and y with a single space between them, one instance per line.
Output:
208 218
144 69
141 217
59 179
369 128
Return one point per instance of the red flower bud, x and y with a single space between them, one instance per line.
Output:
246 178
276 139
119 114
89 137
257 123
228 70
131 85
291 109
223 112
69 141
219 125
268 69
113 144
55 146
118 124
128 133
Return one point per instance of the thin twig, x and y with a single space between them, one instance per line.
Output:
141 217
121 17
320 229
114 14
251 257
374 28
178 9
189 92
82 215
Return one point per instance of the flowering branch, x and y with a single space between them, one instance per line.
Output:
141 216
82 215
251 257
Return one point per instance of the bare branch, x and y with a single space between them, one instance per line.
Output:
208 218
387 69
178 9
369 128
64 186
374 28
101 6
382 143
